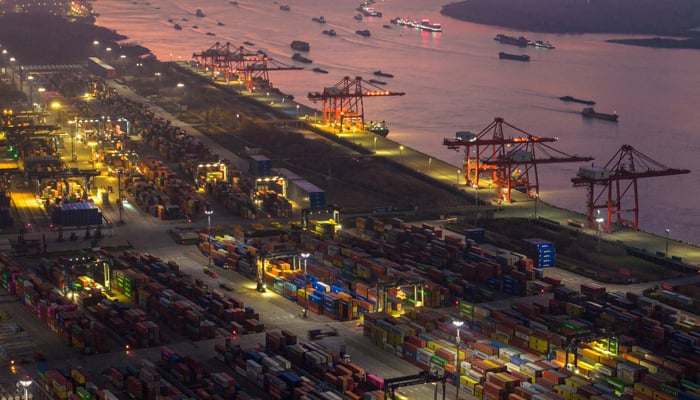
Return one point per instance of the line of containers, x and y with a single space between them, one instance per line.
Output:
304 193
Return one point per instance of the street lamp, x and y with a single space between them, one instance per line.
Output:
30 78
537 199
297 111
208 213
668 231
459 172
25 383
305 256
458 325
238 122
157 75
476 204
598 221
375 144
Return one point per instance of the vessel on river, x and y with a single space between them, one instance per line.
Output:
576 100
516 57
590 112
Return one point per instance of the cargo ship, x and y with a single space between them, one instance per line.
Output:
378 128
370 12
329 32
590 112
384 74
424 24
516 57
364 32
521 41
320 70
542 45
575 100
300 58
320 20
299 45
377 82
199 13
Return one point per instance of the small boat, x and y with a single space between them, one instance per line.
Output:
320 20
262 52
211 34
220 23
199 13
185 19
300 58
320 70
516 57
329 32
378 128
377 82
285 7
386 26
590 112
299 45
384 74
170 20
195 27
177 27
364 32
575 100
247 43
542 45
233 2
358 17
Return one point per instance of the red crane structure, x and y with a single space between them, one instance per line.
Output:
343 103
619 181
511 162
251 67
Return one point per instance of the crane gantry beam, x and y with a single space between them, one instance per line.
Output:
343 103
619 176
511 161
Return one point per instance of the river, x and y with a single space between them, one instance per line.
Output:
454 81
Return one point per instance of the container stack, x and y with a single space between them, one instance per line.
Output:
541 252
76 214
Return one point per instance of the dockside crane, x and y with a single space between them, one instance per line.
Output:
618 179
343 103
253 68
510 162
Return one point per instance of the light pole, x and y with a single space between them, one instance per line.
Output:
305 256
476 204
120 202
458 325
401 150
157 75
430 162
668 231
25 383
208 214
537 199
238 122
181 86
598 221
30 80
375 144
459 172
297 111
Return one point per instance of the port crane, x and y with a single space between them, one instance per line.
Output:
343 103
251 67
618 179
511 162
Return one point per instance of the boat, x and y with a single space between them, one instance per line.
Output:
542 45
358 17
177 27
377 82
220 23
185 19
516 57
285 7
262 52
329 32
320 20
378 128
364 32
211 34
199 13
521 41
320 70
575 100
195 27
170 20
384 74
299 45
590 112
386 26
426 25
301 59
370 11
233 2
247 43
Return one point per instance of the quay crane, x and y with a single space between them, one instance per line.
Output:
619 179
511 162
252 67
343 102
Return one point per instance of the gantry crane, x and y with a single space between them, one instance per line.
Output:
511 162
619 176
251 67
343 103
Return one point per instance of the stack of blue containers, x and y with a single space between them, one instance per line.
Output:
76 214
541 252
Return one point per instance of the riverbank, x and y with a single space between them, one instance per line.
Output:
676 18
